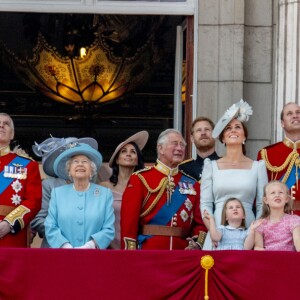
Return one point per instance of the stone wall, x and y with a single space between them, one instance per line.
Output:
236 60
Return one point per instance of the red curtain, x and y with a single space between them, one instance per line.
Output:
82 274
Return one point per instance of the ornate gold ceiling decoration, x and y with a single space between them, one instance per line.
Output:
123 53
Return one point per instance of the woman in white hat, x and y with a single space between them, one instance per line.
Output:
126 159
234 175
80 213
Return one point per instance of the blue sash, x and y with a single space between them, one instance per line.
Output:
292 178
165 214
5 181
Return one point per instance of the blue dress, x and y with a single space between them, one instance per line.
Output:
217 185
77 217
232 238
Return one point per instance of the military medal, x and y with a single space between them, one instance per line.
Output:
183 187
191 189
15 171
186 188
181 190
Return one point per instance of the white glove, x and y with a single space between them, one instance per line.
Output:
67 246
88 245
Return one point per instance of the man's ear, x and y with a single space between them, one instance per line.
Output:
282 124
192 139
159 148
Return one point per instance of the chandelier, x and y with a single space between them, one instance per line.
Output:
77 71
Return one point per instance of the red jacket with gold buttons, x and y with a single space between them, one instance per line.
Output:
20 196
164 197
282 162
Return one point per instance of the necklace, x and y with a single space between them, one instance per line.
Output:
82 190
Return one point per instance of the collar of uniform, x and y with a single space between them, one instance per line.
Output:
164 169
291 144
4 150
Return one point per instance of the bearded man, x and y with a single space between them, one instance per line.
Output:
201 137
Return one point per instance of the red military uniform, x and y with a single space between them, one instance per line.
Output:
282 162
160 209
20 196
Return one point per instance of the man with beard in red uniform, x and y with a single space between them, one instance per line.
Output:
20 190
282 159
161 205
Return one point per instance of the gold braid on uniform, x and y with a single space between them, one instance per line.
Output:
161 188
290 161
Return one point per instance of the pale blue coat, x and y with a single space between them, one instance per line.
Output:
77 217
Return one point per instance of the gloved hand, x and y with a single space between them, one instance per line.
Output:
88 245
192 244
67 246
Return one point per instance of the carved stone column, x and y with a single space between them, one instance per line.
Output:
287 75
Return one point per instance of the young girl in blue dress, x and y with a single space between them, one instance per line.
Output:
232 234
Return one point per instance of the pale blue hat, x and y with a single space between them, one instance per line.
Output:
75 149
240 110
50 148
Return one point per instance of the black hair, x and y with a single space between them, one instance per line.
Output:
115 167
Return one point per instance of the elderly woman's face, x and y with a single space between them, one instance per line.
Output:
80 167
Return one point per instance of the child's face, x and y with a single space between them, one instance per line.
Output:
234 210
276 195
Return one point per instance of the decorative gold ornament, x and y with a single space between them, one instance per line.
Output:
207 262
291 160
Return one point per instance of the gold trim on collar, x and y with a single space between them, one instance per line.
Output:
5 150
291 144
164 169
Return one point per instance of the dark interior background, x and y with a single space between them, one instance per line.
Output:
148 107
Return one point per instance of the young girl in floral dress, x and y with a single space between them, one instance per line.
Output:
279 229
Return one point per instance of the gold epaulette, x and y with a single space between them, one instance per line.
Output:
22 153
186 161
142 170
187 175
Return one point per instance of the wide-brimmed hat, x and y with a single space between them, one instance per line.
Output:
240 110
140 138
104 172
52 147
75 149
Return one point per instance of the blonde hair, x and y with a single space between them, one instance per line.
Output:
224 221
287 207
